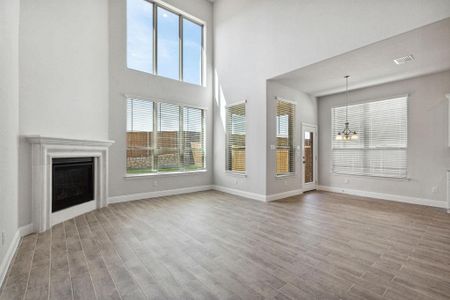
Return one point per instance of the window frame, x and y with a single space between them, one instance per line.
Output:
155 127
227 139
370 100
290 138
181 15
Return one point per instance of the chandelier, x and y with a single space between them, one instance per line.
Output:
346 134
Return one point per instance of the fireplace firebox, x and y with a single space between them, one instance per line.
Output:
72 181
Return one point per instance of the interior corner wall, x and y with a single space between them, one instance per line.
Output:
124 81
63 73
255 40
305 112
428 151
9 122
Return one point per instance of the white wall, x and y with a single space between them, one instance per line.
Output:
306 112
63 76
9 120
256 40
130 82
428 151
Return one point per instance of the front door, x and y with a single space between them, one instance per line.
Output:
309 137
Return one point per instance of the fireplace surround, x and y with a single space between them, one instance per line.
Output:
47 150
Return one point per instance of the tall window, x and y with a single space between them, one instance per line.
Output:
176 50
168 44
235 138
381 149
285 122
163 137
140 35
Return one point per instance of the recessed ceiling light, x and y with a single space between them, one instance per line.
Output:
404 59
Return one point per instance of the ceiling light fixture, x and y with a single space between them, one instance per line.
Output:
404 59
346 134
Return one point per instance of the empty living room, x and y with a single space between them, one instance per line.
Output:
225 149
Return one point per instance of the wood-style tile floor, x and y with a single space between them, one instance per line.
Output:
212 245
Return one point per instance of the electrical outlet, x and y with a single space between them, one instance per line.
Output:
434 189
346 180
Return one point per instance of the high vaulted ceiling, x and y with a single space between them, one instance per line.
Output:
373 64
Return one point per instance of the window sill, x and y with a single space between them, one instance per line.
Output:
372 176
237 174
288 175
164 174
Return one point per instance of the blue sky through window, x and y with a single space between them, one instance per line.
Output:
192 52
140 42
140 35
168 44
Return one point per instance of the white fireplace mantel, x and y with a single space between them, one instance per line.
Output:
44 149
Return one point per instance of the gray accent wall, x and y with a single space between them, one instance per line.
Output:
428 151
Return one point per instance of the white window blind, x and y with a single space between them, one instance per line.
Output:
178 144
169 137
285 122
235 138
140 136
381 149
193 140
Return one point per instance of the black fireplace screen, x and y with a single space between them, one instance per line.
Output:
72 182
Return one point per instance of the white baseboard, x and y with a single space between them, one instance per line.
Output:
240 193
255 196
7 259
140 196
26 230
382 196
283 195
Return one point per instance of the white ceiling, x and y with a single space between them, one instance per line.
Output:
373 64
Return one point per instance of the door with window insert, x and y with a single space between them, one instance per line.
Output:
309 155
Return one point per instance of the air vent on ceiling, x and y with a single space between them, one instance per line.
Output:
404 59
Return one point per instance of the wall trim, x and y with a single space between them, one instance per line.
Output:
283 195
236 192
10 252
140 196
382 196
255 196
26 230
9 255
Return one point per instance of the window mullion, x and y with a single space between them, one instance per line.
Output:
180 47
202 138
180 139
203 58
155 39
155 136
